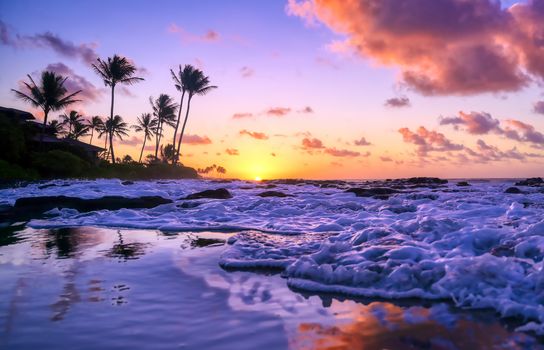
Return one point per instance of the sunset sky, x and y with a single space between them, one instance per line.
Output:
312 89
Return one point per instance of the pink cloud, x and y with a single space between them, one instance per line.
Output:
341 152
75 82
490 48
278 111
428 141
539 107
397 102
254 134
196 140
242 115
232 152
312 143
247 72
306 110
386 159
133 141
187 37
474 122
362 142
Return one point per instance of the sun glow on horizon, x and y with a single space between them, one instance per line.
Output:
258 178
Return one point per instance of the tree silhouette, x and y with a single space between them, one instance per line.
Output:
164 111
50 95
96 123
148 125
116 70
180 77
116 127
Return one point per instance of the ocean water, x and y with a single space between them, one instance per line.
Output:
473 248
96 288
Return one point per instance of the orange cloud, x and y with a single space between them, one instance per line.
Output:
196 140
232 152
278 111
254 134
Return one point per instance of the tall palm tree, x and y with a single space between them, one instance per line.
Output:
94 124
71 119
164 111
116 70
50 95
148 125
195 83
116 127
179 78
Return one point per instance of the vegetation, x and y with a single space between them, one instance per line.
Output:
116 70
50 95
26 159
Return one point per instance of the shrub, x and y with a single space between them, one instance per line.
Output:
58 163
13 172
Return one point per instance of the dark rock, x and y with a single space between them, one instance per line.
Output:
35 206
426 181
126 183
206 242
273 194
462 184
220 193
375 192
46 186
513 190
189 205
419 196
533 181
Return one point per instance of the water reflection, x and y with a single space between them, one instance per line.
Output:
169 290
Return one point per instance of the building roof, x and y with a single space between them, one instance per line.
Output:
75 143
16 113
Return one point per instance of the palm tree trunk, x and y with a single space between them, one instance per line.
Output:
45 114
111 119
142 152
183 127
157 139
175 159
91 140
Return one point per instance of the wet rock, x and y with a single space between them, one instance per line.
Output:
462 184
127 183
419 196
220 193
46 186
31 206
512 190
533 181
201 242
189 205
375 192
273 194
426 181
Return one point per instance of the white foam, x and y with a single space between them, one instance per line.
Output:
476 246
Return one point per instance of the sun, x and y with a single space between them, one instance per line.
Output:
258 178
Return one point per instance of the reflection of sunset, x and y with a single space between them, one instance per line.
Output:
382 325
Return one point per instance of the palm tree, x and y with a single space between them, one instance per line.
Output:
56 127
167 153
71 119
116 127
148 125
164 111
116 70
195 83
179 78
96 123
51 95
79 130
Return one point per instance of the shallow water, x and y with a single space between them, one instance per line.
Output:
99 288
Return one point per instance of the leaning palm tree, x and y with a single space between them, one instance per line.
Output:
116 127
179 78
164 111
195 83
116 70
51 95
96 123
148 125
71 119
56 127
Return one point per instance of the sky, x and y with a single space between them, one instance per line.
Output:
320 89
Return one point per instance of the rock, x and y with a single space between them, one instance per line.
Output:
189 205
533 181
201 242
426 181
513 190
273 194
34 206
46 186
220 193
376 192
462 184
127 183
